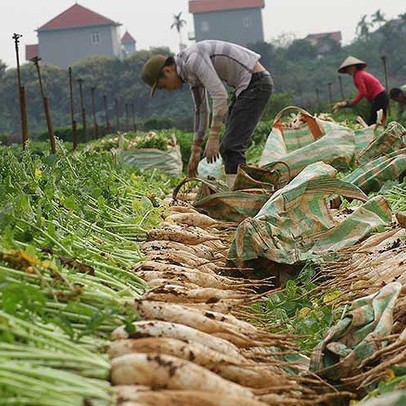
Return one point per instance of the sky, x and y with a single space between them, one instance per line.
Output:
149 21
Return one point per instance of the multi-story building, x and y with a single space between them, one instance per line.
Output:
238 21
75 34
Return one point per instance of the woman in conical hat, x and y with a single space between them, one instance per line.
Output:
368 86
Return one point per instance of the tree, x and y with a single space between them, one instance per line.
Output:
301 49
378 18
363 28
178 23
3 68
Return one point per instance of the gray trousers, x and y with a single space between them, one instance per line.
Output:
244 114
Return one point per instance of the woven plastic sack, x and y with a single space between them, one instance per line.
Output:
371 176
215 199
390 140
316 140
169 162
254 177
364 136
357 336
296 224
233 205
395 398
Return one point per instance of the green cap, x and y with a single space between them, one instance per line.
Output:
152 71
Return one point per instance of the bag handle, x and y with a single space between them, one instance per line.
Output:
310 121
214 186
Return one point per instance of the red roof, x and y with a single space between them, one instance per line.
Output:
335 35
127 38
31 51
76 16
205 6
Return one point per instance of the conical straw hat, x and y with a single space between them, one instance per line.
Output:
350 61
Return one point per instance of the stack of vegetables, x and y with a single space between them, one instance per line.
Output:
131 141
191 348
69 227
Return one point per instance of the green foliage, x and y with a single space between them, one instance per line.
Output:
157 123
301 50
299 311
300 78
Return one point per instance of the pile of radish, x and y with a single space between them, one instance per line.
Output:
191 348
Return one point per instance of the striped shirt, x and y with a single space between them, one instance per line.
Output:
205 66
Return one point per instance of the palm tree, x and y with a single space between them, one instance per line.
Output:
378 18
363 27
178 23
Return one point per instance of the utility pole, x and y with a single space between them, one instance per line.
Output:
45 100
72 113
21 94
96 129
82 108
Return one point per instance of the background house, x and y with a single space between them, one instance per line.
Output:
75 34
325 42
238 21
127 44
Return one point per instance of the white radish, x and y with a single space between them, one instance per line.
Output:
198 353
155 283
128 393
192 219
182 294
200 250
158 328
182 209
201 279
243 372
172 232
168 372
205 321
164 267
184 259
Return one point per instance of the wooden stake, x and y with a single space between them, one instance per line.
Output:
108 128
21 94
82 108
45 101
72 113
383 57
96 127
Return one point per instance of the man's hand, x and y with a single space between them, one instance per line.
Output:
194 160
212 150
341 105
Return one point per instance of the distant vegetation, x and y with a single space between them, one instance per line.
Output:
302 77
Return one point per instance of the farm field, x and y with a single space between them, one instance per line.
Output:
286 290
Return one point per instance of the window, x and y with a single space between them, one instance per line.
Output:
247 22
204 26
95 38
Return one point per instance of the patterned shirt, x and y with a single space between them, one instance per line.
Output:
205 66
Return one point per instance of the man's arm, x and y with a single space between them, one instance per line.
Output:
201 115
202 67
201 123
